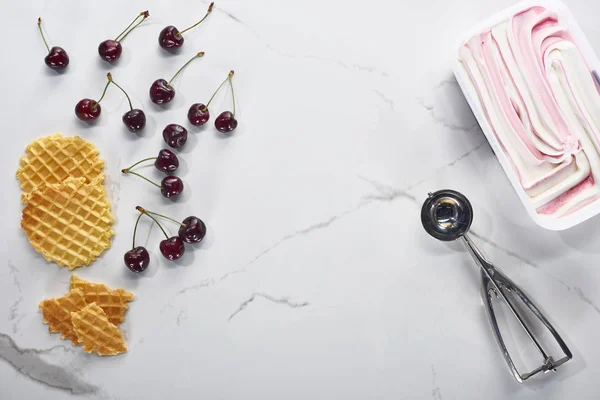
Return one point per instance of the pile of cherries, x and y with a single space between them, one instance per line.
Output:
161 92
191 230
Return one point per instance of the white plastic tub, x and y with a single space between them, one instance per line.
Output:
567 19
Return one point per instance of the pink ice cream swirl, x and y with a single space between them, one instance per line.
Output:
541 101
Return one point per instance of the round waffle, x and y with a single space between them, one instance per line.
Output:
52 159
70 222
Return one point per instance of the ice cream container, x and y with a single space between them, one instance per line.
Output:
529 75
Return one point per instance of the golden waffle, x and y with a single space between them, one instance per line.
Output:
70 222
57 313
96 333
113 302
52 159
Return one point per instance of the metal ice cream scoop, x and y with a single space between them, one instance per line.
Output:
447 215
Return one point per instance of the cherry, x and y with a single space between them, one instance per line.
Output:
226 122
137 259
88 109
172 248
57 58
134 119
110 50
161 91
175 135
198 114
170 38
171 186
192 230
166 161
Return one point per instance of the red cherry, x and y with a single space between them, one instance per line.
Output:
161 91
198 114
87 109
57 58
226 122
172 248
170 38
110 50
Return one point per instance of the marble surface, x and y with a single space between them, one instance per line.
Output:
316 279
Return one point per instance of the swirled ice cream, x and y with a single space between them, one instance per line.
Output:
542 102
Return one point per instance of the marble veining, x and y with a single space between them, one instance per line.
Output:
316 265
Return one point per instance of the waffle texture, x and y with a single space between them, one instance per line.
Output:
113 302
57 313
52 159
96 333
69 222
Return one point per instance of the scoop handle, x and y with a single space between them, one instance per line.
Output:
494 282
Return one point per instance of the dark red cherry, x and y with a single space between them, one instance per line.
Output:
226 122
134 120
193 231
172 248
87 110
57 58
166 161
175 135
161 92
198 114
110 50
137 259
169 38
171 186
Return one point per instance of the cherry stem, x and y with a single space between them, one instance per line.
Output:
42 33
93 107
142 211
126 171
199 22
163 216
122 35
110 78
219 88
135 230
232 93
200 54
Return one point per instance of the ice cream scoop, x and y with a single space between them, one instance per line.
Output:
447 215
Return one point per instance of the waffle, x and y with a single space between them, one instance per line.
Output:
113 302
52 159
70 222
57 313
96 333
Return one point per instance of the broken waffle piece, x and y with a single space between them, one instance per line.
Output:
96 333
112 301
57 313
